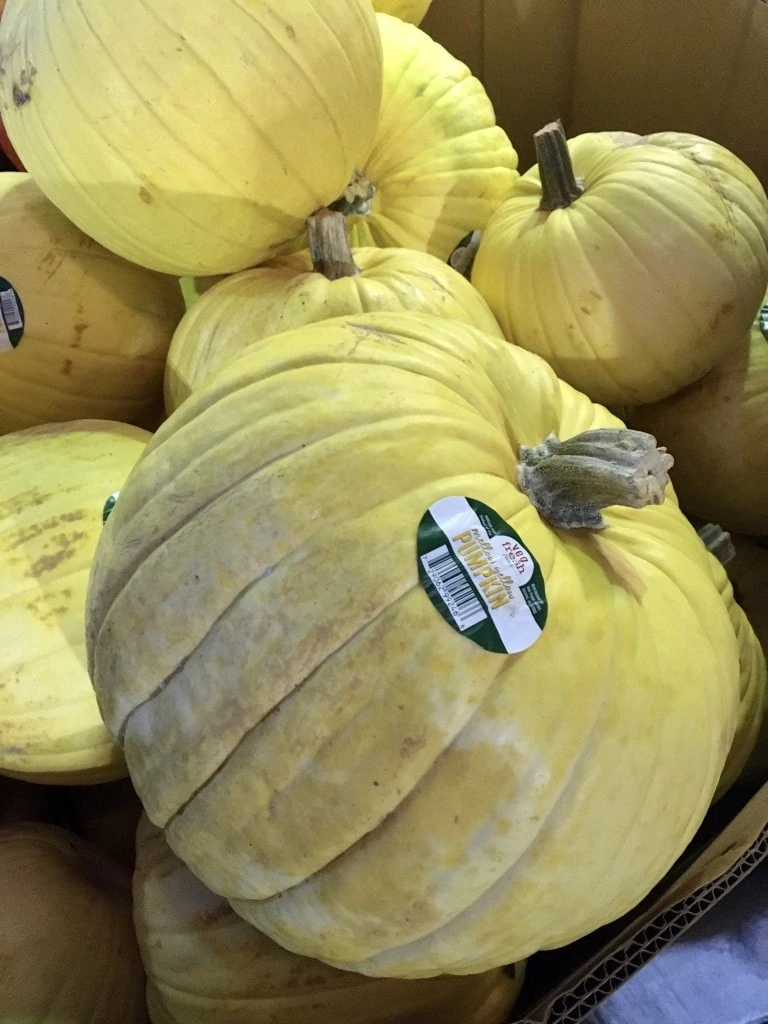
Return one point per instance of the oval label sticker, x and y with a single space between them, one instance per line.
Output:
480 576
11 316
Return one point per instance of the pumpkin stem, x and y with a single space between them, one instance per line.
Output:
569 482
357 197
718 543
559 185
329 245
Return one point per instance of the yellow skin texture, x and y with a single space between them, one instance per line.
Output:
406 10
422 806
285 294
718 431
647 280
205 965
97 327
209 159
440 164
67 947
53 485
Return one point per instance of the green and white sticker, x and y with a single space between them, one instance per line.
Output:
109 505
11 316
480 576
762 319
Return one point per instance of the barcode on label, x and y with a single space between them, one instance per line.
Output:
10 310
452 586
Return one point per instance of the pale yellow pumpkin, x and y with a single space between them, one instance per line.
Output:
718 430
54 482
328 281
406 10
417 803
205 965
440 165
190 137
67 946
96 329
637 281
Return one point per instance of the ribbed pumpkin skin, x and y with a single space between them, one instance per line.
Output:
440 164
718 431
97 327
67 947
54 482
213 130
205 965
474 807
406 10
647 280
286 294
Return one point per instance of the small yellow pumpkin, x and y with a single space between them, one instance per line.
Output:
632 264
325 281
54 482
718 430
440 165
205 965
190 137
407 10
68 950
83 333
443 770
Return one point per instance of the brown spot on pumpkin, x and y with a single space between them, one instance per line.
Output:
206 918
291 31
413 744
67 368
79 328
20 96
146 196
47 563
725 310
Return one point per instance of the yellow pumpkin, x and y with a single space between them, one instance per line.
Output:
54 482
440 165
742 764
406 10
633 264
428 791
718 430
188 137
67 946
205 965
325 281
83 334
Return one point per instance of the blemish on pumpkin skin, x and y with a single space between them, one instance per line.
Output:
79 329
725 310
67 368
291 31
413 744
20 96
145 196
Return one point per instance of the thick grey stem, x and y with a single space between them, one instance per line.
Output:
559 185
570 482
718 543
329 245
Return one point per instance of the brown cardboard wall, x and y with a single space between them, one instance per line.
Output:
634 65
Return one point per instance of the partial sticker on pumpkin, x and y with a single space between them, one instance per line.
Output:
480 576
109 505
11 316
762 319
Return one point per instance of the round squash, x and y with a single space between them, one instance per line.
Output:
83 333
407 10
325 281
428 791
632 263
67 946
54 482
718 430
205 965
214 130
440 165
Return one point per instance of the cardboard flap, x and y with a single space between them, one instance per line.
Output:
728 858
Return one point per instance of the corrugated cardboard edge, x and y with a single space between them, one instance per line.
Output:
729 858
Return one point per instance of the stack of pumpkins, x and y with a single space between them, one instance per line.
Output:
319 560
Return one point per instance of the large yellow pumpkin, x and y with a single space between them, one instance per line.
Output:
633 264
406 10
718 430
440 165
54 482
83 333
325 281
190 137
205 965
440 775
